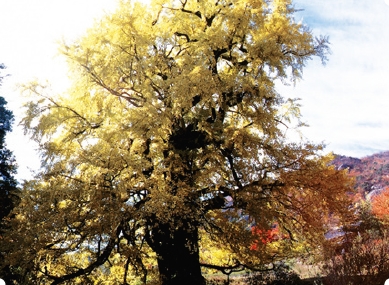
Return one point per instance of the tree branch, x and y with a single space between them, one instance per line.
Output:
236 268
101 259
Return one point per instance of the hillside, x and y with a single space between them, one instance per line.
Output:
371 172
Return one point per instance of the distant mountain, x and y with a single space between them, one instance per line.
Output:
346 162
371 172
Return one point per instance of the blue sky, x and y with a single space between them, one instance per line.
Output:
346 102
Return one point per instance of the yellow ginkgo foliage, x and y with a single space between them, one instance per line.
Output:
173 132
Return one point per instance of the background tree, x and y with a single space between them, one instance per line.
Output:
380 205
360 255
8 184
173 130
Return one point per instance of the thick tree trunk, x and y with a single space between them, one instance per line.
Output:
177 253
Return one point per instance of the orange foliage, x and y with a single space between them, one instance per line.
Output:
380 205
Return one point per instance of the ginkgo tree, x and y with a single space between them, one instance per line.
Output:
171 134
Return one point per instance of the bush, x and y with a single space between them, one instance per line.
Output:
281 275
365 262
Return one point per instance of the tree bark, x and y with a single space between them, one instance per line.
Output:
177 249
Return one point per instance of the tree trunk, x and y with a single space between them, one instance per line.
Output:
177 253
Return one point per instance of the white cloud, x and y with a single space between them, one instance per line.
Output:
341 100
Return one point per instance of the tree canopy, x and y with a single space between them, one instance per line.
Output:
171 139
7 161
8 184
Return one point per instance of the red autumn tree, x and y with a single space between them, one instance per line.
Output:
265 236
